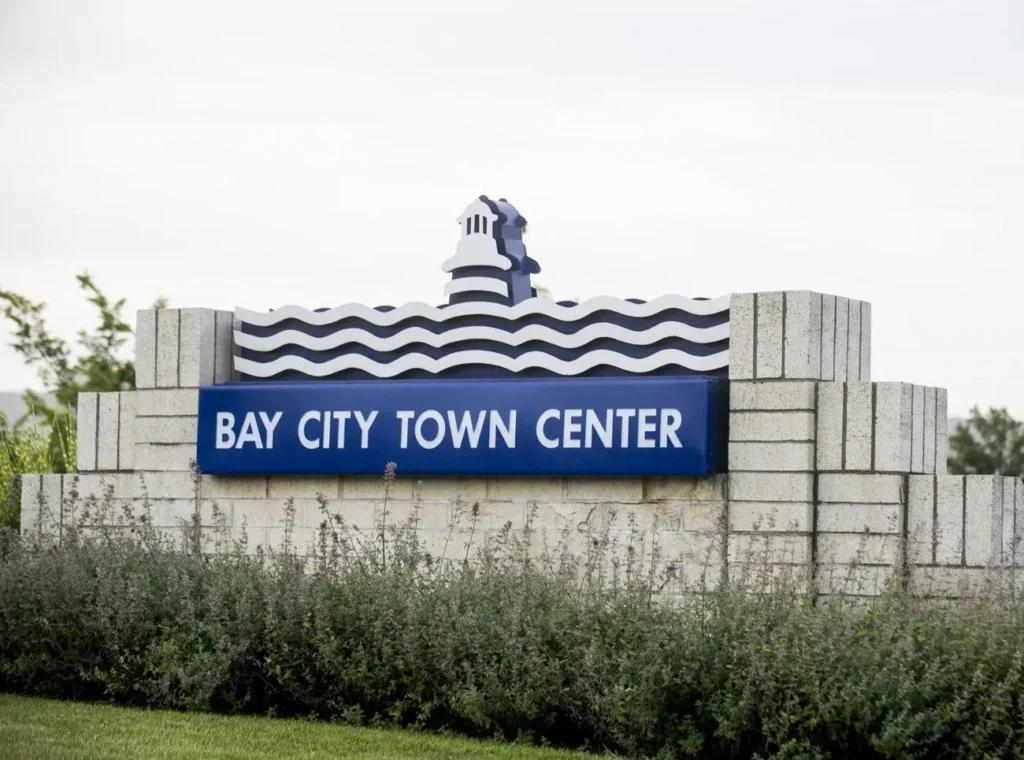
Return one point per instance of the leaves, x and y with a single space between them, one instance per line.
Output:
987 444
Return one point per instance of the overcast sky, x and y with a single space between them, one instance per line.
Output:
257 154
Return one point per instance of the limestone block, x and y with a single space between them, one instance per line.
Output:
162 485
771 396
771 426
771 457
859 420
675 488
267 513
1008 542
369 487
983 520
703 516
830 426
954 582
949 520
828 338
917 435
699 577
770 335
688 548
304 486
469 490
452 546
862 549
126 431
87 427
525 489
98 486
842 338
167 429
930 423
51 504
770 486
107 431
174 513
921 520
771 517
802 350
365 516
196 347
583 517
622 490
224 342
163 457
302 541
893 427
774 548
741 336
234 486
860 518
168 330
853 342
1018 522
478 515
761 576
860 488
941 431
358 514
145 349
865 341
167 403
31 488
853 580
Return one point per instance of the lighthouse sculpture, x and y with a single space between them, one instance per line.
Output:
490 262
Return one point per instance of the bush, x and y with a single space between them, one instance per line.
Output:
517 643
27 448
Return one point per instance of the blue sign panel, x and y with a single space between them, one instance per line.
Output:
590 426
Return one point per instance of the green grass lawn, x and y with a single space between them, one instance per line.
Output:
39 728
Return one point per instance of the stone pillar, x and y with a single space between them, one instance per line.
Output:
176 352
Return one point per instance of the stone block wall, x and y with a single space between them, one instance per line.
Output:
799 335
834 480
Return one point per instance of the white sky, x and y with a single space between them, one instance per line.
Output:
256 154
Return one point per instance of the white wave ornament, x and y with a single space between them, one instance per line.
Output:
529 307
540 333
531 360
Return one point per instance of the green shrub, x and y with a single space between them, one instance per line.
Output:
27 448
517 643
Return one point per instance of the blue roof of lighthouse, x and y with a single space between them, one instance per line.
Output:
510 235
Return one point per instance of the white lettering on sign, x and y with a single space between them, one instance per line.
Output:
364 427
548 443
315 430
250 432
430 428
654 429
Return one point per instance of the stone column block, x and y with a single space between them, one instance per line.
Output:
183 348
798 335
87 428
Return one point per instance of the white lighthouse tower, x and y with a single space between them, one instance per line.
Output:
479 271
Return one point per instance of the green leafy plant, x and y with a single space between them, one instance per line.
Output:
987 444
26 448
44 440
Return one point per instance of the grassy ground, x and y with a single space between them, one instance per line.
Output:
38 728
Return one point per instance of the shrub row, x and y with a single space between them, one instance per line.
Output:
370 630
